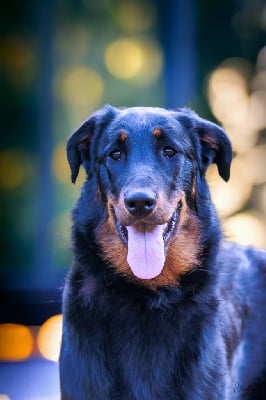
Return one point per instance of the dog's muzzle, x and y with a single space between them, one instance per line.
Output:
146 242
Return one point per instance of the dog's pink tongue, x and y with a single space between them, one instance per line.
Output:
146 250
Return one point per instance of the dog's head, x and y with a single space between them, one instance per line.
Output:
149 164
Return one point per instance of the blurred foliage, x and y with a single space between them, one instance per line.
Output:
114 52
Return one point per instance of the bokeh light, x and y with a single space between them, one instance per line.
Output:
228 94
49 338
16 342
152 62
61 169
135 15
237 97
252 165
241 111
246 229
17 59
131 58
15 168
229 196
80 87
123 58
60 165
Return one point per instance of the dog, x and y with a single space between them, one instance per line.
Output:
157 304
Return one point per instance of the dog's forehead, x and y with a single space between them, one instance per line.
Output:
143 113
135 118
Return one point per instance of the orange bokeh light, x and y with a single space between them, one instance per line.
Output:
16 342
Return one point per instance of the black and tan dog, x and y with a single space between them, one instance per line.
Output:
157 306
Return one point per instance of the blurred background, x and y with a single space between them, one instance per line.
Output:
60 61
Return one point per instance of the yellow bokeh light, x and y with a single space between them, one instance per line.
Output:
242 113
246 229
135 15
152 62
257 114
80 87
14 168
238 102
16 342
4 397
252 164
60 166
134 59
228 96
229 196
245 132
123 58
49 338
61 169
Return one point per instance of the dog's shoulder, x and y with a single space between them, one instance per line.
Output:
241 283
241 266
242 259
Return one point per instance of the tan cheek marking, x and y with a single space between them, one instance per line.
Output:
184 251
114 251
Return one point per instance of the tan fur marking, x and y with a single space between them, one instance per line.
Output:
99 194
194 188
183 253
157 132
123 136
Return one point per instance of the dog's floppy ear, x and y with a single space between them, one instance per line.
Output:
78 144
215 144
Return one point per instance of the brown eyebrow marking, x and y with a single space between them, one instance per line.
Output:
157 132
123 136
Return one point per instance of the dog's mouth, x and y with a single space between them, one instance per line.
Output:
147 245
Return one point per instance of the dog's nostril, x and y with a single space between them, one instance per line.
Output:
131 204
149 203
140 203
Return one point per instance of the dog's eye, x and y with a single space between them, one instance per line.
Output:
168 152
115 155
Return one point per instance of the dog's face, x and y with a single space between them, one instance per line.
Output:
147 163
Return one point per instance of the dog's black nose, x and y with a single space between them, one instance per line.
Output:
140 203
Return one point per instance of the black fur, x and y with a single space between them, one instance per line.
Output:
202 338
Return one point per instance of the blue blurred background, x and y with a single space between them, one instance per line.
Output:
60 61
